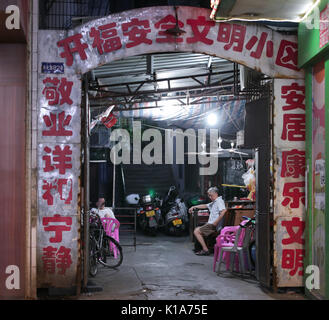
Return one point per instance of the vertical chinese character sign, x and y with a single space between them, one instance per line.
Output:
324 26
59 97
318 205
289 181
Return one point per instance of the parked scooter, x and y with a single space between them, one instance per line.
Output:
196 200
148 212
174 213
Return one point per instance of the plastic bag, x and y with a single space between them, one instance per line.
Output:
249 180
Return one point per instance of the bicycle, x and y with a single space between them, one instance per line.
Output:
252 244
99 247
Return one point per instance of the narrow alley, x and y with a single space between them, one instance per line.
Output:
165 268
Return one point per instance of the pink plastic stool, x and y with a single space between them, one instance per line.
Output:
111 227
227 239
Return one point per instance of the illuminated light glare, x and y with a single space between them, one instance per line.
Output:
170 108
212 119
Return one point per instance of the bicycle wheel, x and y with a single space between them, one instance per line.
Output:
252 252
111 253
93 268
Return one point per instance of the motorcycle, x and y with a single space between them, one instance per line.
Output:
196 200
149 214
174 213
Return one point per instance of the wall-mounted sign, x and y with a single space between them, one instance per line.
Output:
324 26
289 174
52 67
318 207
143 31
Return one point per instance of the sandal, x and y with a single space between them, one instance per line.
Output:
202 253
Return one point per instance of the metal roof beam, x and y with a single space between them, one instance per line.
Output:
162 80
113 95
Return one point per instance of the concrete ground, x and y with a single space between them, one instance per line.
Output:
165 268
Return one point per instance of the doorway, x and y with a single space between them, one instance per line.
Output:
182 91
78 51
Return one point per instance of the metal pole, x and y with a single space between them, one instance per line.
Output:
113 186
86 186
135 222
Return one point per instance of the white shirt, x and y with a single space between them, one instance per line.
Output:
103 212
106 211
215 209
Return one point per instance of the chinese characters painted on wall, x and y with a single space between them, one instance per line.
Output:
290 170
59 156
242 40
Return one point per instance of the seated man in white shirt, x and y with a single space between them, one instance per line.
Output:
102 211
217 211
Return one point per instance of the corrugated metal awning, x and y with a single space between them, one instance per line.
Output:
165 66
255 10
